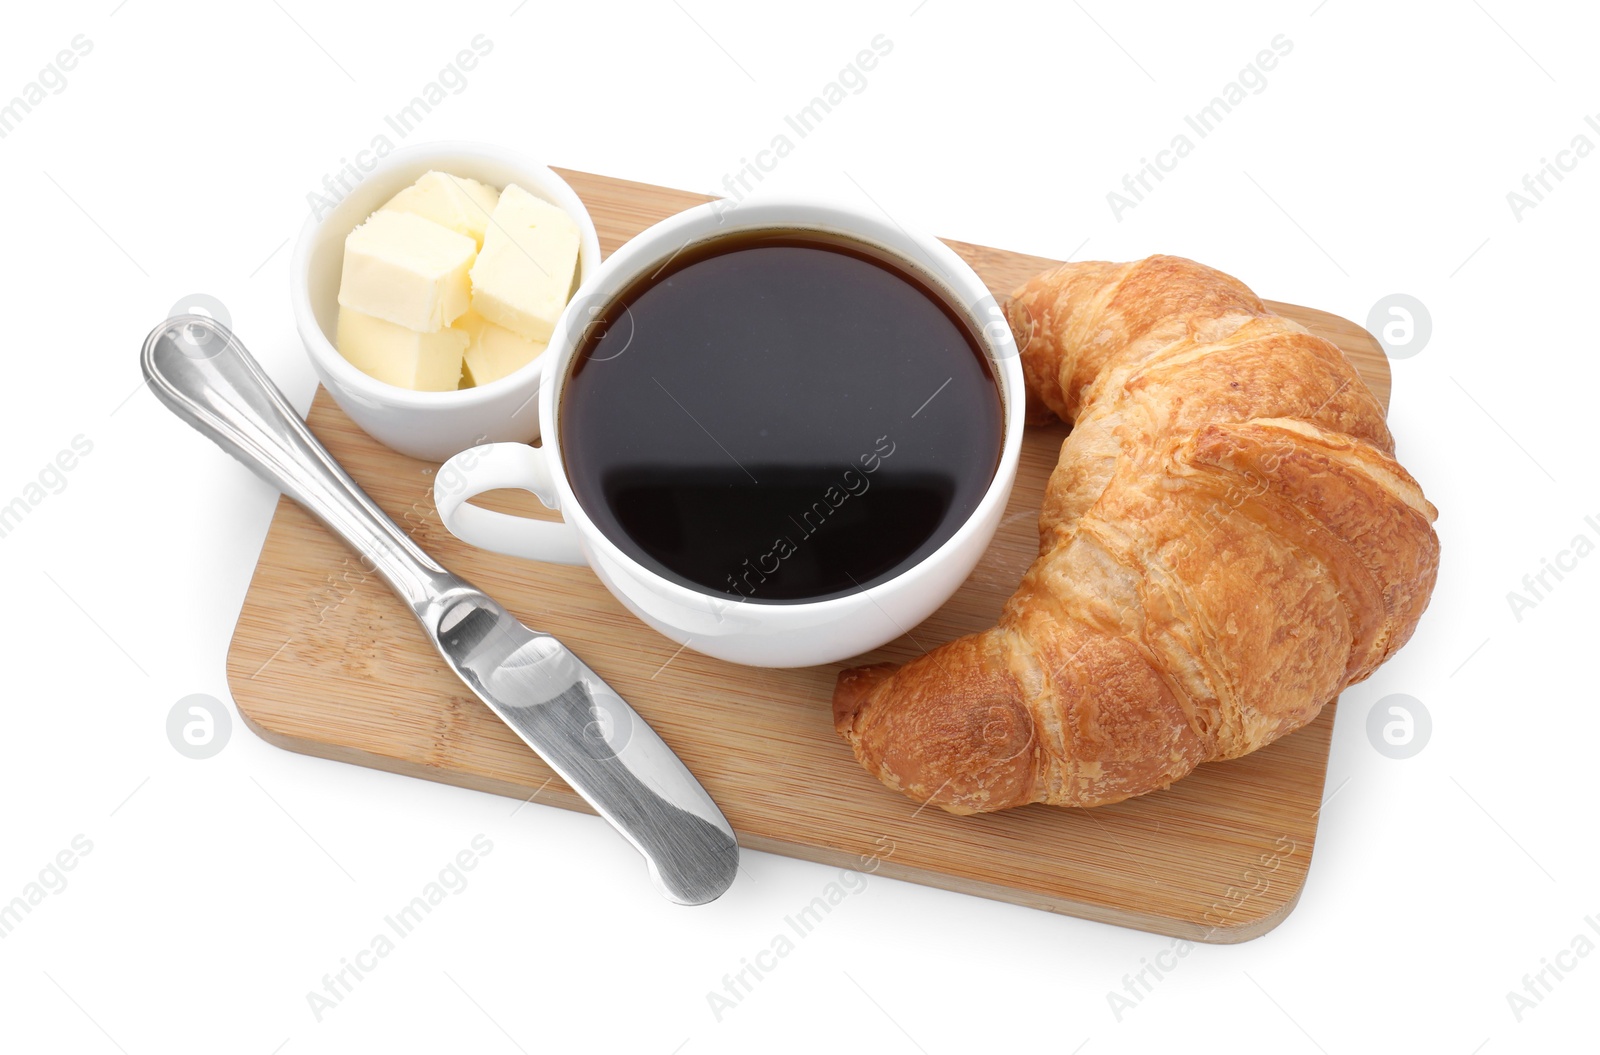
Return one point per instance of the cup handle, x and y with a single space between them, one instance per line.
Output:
490 467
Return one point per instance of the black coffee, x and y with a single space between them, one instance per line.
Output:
780 416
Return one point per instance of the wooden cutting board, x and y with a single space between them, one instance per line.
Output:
327 662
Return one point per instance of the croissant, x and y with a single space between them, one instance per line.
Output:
1225 543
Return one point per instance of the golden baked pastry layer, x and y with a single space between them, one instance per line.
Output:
1224 545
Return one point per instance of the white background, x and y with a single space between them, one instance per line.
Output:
1377 160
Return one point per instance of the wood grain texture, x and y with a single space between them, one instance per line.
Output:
325 661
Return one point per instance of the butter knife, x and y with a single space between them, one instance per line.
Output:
562 709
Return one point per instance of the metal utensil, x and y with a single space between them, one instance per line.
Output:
562 709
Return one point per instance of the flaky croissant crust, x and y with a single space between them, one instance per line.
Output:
1225 543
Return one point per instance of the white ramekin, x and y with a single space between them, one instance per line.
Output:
428 425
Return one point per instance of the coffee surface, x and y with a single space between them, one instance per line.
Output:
780 417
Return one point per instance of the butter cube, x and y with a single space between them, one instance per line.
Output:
494 351
424 362
463 205
523 276
406 270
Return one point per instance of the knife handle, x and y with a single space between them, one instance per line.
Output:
201 371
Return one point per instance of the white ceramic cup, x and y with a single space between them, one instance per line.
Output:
751 632
428 425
